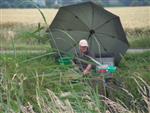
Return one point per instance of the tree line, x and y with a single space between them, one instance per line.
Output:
57 3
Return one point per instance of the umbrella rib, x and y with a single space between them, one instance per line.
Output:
105 23
67 30
111 36
72 46
78 19
92 15
101 44
106 35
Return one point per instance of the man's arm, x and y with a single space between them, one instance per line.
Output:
87 69
89 66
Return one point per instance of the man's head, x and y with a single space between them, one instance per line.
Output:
83 44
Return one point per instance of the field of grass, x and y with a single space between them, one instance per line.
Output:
26 16
19 25
23 37
139 37
131 17
37 82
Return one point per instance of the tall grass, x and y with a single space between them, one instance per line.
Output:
139 37
33 37
25 37
35 83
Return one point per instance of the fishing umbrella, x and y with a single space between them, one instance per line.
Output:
90 21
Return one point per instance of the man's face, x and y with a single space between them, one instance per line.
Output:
83 49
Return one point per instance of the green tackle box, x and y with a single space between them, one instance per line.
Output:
65 60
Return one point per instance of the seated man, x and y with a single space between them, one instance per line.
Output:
83 54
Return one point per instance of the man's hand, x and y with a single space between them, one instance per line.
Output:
86 72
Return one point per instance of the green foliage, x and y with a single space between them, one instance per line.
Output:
35 35
133 65
139 37
25 79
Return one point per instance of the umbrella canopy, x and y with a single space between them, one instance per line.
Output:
88 20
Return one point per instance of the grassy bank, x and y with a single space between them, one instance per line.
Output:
33 37
38 82
139 37
23 37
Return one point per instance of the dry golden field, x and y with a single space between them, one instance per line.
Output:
27 16
131 17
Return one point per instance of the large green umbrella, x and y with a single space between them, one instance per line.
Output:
90 21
